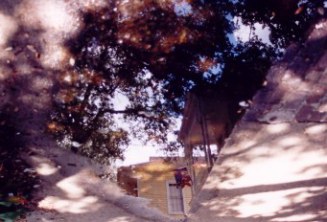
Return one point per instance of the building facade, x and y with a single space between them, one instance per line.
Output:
163 181
206 123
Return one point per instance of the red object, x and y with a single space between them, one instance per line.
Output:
182 178
18 200
186 181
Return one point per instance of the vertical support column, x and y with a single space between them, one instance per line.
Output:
188 151
205 134
207 141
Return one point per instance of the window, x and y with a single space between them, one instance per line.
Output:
175 198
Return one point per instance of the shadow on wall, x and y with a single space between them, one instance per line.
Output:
7 7
273 167
82 196
281 178
29 69
25 97
32 59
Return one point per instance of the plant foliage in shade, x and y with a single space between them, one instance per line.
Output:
11 210
153 53
16 182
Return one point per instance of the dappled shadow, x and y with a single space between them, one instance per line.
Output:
24 101
298 84
8 6
272 187
33 58
273 168
79 201
71 190
284 181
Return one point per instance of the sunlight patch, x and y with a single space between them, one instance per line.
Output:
278 128
54 15
71 187
76 206
7 27
46 169
316 130
55 56
290 141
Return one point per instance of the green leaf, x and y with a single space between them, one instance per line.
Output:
9 216
5 203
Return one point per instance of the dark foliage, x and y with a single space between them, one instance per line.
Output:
154 53
15 179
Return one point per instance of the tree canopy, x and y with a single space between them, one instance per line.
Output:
152 53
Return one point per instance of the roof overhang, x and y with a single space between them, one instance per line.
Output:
210 108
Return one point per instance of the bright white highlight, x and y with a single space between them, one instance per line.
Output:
244 32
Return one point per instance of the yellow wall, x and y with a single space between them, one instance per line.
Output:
152 184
